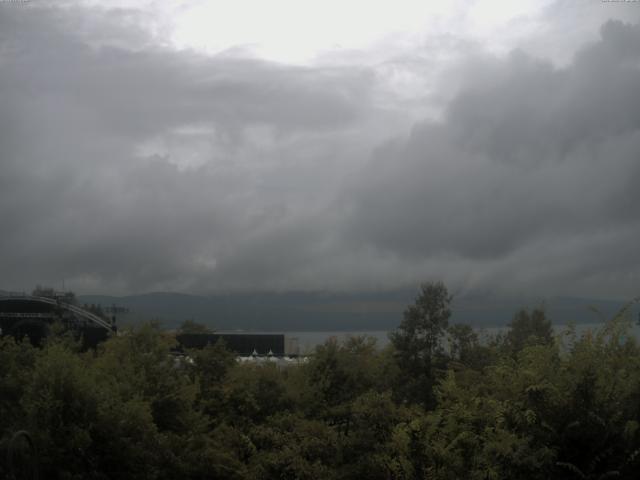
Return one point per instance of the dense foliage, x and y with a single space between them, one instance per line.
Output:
523 405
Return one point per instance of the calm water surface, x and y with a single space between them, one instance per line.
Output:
309 340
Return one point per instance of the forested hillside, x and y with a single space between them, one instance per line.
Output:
325 311
527 405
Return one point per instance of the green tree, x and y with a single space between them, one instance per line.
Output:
209 370
370 450
462 339
191 326
465 348
17 360
529 328
253 393
139 363
337 374
290 446
418 343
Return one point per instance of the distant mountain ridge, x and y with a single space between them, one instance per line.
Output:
303 311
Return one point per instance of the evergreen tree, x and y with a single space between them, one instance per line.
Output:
418 343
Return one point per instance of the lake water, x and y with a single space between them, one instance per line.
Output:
307 341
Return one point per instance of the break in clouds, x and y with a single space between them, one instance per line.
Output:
129 166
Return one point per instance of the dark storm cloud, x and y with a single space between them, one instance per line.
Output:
79 199
526 155
128 167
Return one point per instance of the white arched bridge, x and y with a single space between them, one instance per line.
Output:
22 314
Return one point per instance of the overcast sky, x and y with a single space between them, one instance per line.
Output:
203 146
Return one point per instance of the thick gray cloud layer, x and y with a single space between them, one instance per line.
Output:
528 160
135 169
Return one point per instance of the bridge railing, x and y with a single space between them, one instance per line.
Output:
26 315
67 306
88 315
